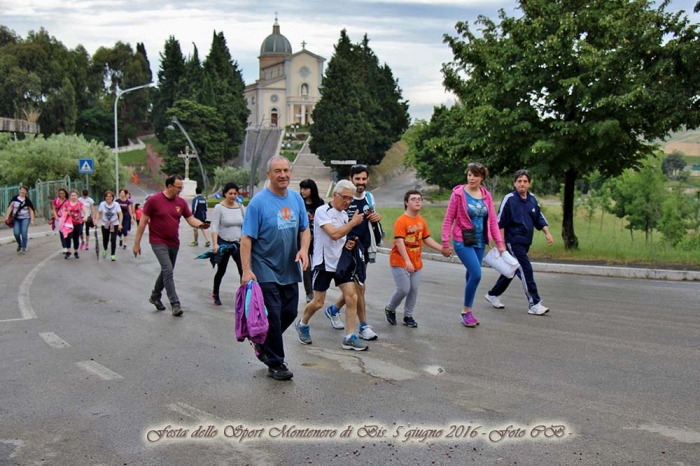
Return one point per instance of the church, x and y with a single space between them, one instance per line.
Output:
287 89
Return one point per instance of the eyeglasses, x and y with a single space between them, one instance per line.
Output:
358 165
475 165
415 199
178 187
345 198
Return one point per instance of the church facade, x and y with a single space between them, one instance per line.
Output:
287 89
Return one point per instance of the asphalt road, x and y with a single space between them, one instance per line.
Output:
91 374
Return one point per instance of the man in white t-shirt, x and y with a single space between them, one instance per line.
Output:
89 204
331 227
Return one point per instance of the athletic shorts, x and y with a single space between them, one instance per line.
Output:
322 279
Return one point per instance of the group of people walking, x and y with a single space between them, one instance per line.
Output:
284 237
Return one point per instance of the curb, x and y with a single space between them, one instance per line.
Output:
592 270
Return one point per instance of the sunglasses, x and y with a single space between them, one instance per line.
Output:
358 165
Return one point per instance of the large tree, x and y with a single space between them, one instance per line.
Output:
172 69
570 87
362 111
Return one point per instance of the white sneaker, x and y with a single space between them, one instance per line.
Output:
495 301
368 334
538 309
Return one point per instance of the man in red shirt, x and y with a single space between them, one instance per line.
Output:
162 213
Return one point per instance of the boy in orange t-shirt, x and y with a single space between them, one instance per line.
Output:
410 232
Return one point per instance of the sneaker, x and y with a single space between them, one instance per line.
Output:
390 316
124 247
77 256
469 320
495 301
215 299
19 248
104 254
366 333
538 309
177 310
259 351
113 257
120 242
279 372
193 243
336 322
82 246
207 244
87 246
410 322
23 251
302 332
67 255
157 303
351 342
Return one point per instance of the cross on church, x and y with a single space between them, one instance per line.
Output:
186 155
303 45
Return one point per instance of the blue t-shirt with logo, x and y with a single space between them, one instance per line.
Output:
477 213
274 223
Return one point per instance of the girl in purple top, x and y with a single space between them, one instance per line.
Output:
471 206
127 206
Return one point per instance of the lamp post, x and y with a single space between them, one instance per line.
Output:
194 149
116 134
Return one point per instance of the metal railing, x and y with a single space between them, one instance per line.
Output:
41 194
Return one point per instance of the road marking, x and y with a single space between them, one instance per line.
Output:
191 411
99 370
25 305
54 340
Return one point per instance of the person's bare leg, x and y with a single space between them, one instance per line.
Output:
361 310
350 300
313 306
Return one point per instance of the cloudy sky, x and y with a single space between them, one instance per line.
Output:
406 34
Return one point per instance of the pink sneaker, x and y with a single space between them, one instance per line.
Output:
469 320
87 246
82 246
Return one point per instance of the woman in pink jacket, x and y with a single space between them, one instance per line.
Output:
472 223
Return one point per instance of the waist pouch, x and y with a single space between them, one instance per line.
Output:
469 236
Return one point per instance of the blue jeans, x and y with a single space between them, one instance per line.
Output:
21 231
471 257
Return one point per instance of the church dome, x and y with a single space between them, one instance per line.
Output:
276 43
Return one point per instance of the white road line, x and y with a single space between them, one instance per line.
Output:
99 370
192 412
54 340
25 305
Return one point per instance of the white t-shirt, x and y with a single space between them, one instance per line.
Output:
87 202
327 251
110 214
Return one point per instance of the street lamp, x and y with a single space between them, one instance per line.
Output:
116 137
194 149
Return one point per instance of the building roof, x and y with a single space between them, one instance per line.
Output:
275 43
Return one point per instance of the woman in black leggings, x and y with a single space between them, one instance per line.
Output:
109 217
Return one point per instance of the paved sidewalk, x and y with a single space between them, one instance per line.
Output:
43 230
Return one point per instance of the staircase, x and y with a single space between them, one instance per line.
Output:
306 166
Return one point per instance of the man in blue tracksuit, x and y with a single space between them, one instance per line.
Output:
199 210
518 217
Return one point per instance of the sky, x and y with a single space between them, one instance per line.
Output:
405 34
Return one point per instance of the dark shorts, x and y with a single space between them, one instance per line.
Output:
322 279
202 217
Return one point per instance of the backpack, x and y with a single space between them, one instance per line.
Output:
251 314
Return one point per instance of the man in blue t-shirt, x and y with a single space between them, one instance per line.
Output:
199 210
274 244
518 217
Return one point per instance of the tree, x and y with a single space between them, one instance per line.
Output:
676 209
673 164
437 149
172 69
204 126
574 87
226 81
639 196
362 111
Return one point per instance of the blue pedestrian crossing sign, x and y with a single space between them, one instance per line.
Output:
86 166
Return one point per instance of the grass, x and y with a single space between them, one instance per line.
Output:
612 246
133 157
